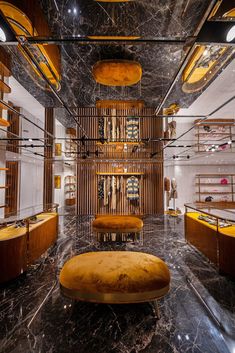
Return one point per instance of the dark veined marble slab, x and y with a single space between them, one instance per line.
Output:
36 318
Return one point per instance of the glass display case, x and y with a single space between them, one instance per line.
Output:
211 230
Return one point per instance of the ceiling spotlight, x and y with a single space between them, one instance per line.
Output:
74 10
231 34
2 35
30 140
229 142
69 10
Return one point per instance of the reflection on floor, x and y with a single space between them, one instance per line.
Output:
34 317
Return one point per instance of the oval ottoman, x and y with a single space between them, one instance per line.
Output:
115 277
118 224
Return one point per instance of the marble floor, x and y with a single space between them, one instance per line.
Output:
198 314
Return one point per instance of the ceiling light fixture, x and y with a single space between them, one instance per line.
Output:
229 142
231 34
2 35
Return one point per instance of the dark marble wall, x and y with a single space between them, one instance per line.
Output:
147 19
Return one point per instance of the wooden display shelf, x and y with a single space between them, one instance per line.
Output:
128 174
132 143
214 133
215 122
3 206
214 193
70 202
4 169
213 184
3 106
214 175
4 71
4 88
3 187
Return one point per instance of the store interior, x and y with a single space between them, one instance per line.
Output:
117 176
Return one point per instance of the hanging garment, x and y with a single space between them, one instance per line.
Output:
101 127
113 115
172 129
132 188
174 193
114 195
122 132
109 129
101 188
167 184
118 130
168 198
107 192
121 183
132 128
118 183
105 126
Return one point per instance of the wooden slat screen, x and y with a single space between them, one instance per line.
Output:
109 159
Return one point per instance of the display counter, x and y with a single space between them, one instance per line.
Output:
24 241
212 231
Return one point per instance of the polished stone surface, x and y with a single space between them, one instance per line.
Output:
36 318
146 19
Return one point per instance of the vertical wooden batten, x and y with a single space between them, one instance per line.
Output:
48 152
151 182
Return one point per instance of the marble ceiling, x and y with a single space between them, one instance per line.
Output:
147 19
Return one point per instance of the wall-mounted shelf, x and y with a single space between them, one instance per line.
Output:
214 184
132 143
3 106
206 181
213 193
4 88
4 71
4 169
3 187
128 174
216 131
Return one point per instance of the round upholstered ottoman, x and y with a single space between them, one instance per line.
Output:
118 224
115 277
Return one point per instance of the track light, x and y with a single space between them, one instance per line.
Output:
2 35
231 34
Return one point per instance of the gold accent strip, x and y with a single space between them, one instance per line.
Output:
115 298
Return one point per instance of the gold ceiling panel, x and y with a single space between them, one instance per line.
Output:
117 72
119 104
204 63
47 56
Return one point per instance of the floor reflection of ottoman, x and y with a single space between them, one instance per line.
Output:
117 224
115 277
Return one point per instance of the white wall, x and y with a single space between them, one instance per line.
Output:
60 168
185 178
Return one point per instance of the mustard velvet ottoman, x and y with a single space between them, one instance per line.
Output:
115 277
120 224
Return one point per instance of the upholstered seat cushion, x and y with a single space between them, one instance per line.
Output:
115 277
120 224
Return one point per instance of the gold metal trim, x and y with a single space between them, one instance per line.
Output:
115 298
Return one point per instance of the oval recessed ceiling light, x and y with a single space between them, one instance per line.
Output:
231 34
2 35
